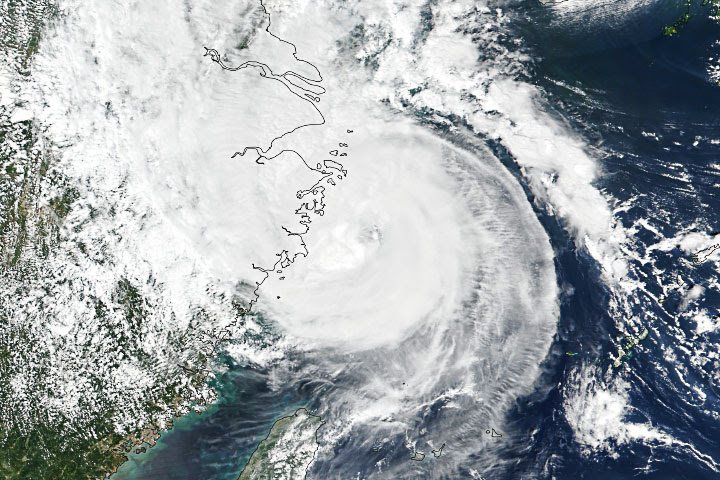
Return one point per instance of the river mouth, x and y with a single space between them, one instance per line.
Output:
383 267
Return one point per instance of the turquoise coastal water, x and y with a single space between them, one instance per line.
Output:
646 102
216 444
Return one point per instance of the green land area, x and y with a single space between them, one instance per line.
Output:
40 438
674 29
288 450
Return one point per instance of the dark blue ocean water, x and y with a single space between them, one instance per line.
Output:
635 81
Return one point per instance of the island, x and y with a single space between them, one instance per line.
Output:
625 351
680 23
418 456
288 450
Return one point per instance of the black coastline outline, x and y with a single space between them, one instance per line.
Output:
439 451
305 94
328 170
308 90
701 256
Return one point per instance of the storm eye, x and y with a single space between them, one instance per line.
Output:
371 235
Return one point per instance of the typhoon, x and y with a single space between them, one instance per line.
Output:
347 232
